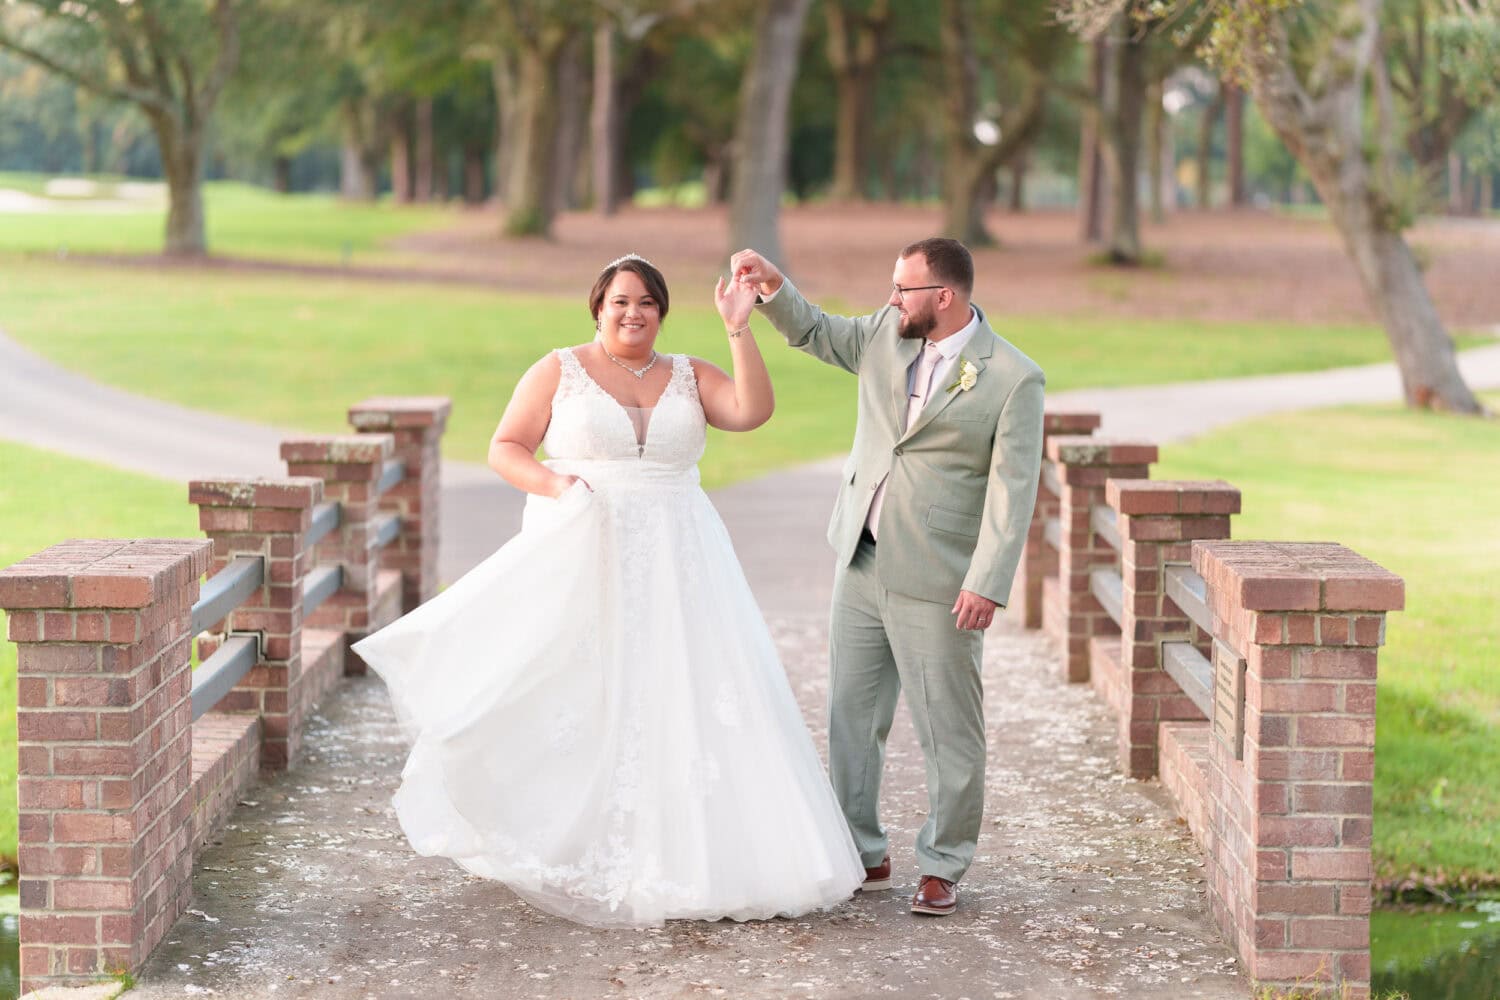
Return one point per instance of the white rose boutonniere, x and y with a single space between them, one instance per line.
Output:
967 376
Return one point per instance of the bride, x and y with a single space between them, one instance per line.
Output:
597 714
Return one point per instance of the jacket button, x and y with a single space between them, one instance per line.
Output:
898 451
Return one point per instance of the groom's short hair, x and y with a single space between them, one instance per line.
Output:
949 261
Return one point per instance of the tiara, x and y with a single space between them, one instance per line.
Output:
620 260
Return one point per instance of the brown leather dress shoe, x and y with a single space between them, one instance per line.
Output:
877 878
935 896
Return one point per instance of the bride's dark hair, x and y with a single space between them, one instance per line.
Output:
656 285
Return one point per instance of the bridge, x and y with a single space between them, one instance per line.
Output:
1179 798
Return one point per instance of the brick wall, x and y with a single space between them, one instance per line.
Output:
1084 465
104 729
1039 559
1290 814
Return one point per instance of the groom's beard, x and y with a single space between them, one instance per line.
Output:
917 327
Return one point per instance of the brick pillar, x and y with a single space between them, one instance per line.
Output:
416 423
1159 520
1289 861
1085 464
1039 559
104 721
266 518
350 467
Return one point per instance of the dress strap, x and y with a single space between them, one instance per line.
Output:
573 376
689 377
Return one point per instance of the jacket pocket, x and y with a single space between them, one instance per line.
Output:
955 522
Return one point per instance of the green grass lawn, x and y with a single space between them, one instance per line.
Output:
297 351
46 498
1419 494
242 221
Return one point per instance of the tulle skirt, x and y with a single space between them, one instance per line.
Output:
599 719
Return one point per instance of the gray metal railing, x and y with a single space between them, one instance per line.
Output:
227 590
1189 668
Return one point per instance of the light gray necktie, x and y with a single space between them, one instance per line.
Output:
921 388
921 383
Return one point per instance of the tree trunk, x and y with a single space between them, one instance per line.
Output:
182 162
1326 133
426 159
1090 155
604 121
1122 132
1203 181
503 73
572 122
1392 280
759 169
1156 124
856 92
473 174
1486 192
1234 142
89 131
359 150
281 174
401 186
1018 181
1455 183
530 200
442 183
964 202
856 45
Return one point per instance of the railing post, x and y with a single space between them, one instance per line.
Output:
350 467
1158 522
1290 822
1084 465
266 518
1039 559
417 424
105 745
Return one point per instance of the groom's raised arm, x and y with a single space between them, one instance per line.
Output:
836 340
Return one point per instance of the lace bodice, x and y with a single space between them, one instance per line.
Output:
590 424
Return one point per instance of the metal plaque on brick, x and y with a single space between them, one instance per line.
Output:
1229 699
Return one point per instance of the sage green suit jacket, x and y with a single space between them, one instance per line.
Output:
962 478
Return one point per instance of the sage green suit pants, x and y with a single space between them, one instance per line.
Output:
880 644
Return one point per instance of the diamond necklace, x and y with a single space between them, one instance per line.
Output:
637 372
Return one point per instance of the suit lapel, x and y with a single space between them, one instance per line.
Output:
906 353
977 351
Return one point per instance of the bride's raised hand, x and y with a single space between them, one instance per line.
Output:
735 299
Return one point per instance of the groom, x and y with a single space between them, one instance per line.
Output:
933 508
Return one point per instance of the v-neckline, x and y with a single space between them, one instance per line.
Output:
625 410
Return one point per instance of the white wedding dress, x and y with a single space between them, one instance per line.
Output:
597 714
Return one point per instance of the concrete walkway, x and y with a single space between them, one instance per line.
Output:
1085 884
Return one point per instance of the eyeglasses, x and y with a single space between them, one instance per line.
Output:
901 292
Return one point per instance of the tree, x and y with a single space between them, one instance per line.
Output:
1145 43
858 38
529 40
170 58
1309 70
1436 61
623 62
1022 45
759 170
